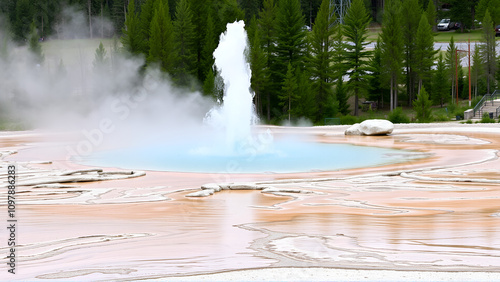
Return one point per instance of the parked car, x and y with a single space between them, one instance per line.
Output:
497 30
447 24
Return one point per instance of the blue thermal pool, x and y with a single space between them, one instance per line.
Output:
283 157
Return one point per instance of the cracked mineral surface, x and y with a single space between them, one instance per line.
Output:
396 222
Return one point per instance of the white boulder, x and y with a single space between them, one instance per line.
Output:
371 127
353 130
376 127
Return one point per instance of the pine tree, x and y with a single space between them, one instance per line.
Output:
118 14
209 84
461 11
497 74
34 45
220 87
355 30
451 64
439 88
431 14
424 51
251 8
161 43
132 39
102 10
257 64
461 82
410 17
145 19
422 106
185 48
100 60
291 44
213 85
493 6
266 23
339 47
200 11
61 71
488 49
341 95
23 17
378 82
113 54
289 91
465 88
306 105
392 48
45 13
322 69
210 42
230 12
290 37
476 70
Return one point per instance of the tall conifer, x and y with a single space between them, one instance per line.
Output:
451 64
439 88
424 51
132 36
410 18
291 45
322 52
289 91
257 60
356 22
266 23
161 42
185 49
488 49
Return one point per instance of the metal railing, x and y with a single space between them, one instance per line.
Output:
332 121
479 106
483 102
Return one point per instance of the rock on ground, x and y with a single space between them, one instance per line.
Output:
371 127
353 130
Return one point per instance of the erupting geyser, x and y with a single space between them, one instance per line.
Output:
229 146
236 114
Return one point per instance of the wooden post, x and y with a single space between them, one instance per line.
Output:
456 74
470 102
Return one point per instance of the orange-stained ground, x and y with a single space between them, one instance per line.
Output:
369 218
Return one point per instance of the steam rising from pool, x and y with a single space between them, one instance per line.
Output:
123 117
241 151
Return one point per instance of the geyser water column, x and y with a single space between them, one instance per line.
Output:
240 151
236 115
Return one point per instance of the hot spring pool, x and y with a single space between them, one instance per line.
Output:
285 157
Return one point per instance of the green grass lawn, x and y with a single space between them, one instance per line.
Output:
440 36
445 36
73 52
446 113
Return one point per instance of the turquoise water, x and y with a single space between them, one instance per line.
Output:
283 157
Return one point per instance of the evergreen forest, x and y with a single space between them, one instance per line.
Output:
306 61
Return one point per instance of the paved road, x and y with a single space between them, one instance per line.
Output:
444 47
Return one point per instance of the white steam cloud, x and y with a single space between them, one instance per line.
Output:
73 24
108 105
